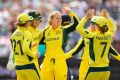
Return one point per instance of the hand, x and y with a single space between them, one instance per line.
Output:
10 65
37 54
35 44
67 8
104 13
90 13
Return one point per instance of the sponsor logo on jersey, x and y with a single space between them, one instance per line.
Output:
103 37
36 38
51 39
18 34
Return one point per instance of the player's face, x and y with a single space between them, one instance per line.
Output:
97 28
92 27
28 23
36 23
56 21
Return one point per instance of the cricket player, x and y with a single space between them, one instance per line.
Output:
54 37
84 44
99 46
26 68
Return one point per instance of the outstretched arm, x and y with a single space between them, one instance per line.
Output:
80 28
27 45
114 53
74 18
110 24
76 49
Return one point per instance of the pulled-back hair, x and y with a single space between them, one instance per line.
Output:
20 25
51 17
103 29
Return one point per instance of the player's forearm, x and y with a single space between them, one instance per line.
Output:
114 53
76 49
29 52
26 49
80 27
72 14
116 57
110 26
81 30
75 20
42 37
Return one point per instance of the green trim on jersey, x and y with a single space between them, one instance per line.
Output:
113 52
91 51
65 38
97 69
28 66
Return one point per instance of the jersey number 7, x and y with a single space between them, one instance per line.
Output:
105 44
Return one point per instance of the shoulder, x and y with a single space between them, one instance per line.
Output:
27 33
17 33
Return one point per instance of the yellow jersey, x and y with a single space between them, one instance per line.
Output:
83 43
36 38
21 41
99 43
56 40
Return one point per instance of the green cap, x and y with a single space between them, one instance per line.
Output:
35 14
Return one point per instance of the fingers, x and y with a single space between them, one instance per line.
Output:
104 13
37 54
10 65
35 44
90 13
67 8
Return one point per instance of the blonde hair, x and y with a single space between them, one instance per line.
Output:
51 17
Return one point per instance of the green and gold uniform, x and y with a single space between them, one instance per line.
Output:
25 58
54 65
99 47
83 43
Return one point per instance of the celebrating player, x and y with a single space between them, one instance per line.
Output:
99 46
21 41
55 37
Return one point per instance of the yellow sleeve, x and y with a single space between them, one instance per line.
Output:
27 43
76 49
73 25
114 53
81 30
110 27
42 36
72 14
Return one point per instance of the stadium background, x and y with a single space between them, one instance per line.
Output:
9 9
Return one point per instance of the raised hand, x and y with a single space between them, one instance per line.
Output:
67 8
104 13
35 44
90 13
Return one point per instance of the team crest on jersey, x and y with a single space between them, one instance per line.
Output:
36 38
58 32
86 32
18 34
48 34
28 40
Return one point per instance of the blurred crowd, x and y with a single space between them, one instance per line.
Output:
9 10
